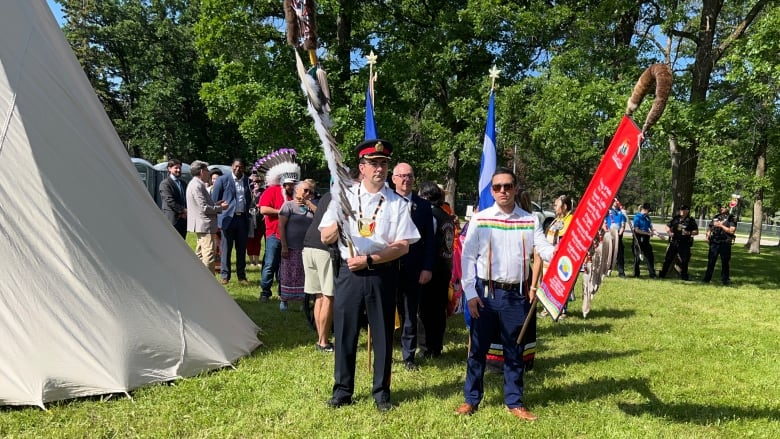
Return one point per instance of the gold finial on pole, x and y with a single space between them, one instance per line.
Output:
493 73
371 57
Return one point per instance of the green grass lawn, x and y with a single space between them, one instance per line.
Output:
654 358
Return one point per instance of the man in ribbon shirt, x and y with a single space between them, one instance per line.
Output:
368 274
173 195
496 260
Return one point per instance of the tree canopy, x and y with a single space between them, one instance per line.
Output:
212 79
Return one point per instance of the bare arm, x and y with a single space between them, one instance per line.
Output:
268 210
536 274
283 234
329 234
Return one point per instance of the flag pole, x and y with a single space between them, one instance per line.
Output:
487 163
370 132
531 309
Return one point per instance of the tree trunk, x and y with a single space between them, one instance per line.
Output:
674 154
754 240
705 58
688 159
453 163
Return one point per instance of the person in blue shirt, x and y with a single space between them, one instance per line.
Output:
617 219
643 230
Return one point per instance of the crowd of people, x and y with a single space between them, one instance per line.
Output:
397 256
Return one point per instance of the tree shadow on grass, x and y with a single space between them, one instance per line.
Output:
686 412
573 328
701 414
547 367
610 313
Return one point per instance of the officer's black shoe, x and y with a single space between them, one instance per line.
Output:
411 366
336 403
384 406
726 283
430 354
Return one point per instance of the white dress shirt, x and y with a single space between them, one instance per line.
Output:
393 221
510 239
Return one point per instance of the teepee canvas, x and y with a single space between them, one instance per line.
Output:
98 294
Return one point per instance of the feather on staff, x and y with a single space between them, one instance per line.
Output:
661 76
301 18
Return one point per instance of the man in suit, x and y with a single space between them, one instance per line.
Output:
417 265
234 190
202 219
172 193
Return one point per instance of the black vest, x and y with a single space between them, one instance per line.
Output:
445 237
719 235
678 224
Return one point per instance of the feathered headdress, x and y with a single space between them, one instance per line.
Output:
278 166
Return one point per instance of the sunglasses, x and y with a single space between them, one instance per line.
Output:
307 191
505 186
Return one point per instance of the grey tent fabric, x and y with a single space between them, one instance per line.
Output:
98 294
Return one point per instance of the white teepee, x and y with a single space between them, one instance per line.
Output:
98 294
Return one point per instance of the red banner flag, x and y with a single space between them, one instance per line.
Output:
560 278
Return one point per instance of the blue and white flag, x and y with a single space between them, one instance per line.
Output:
370 125
487 165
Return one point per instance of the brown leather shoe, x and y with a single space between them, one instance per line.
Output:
465 409
522 413
224 281
244 282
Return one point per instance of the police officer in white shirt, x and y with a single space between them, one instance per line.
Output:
368 273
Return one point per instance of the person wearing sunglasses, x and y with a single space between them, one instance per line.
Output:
497 253
367 278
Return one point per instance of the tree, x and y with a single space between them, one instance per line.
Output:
140 57
754 71
710 32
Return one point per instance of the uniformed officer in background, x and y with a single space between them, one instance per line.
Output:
681 229
643 230
720 234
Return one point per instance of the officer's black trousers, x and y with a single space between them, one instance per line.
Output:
374 291
724 250
677 248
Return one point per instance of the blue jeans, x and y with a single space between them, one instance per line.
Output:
271 260
505 310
